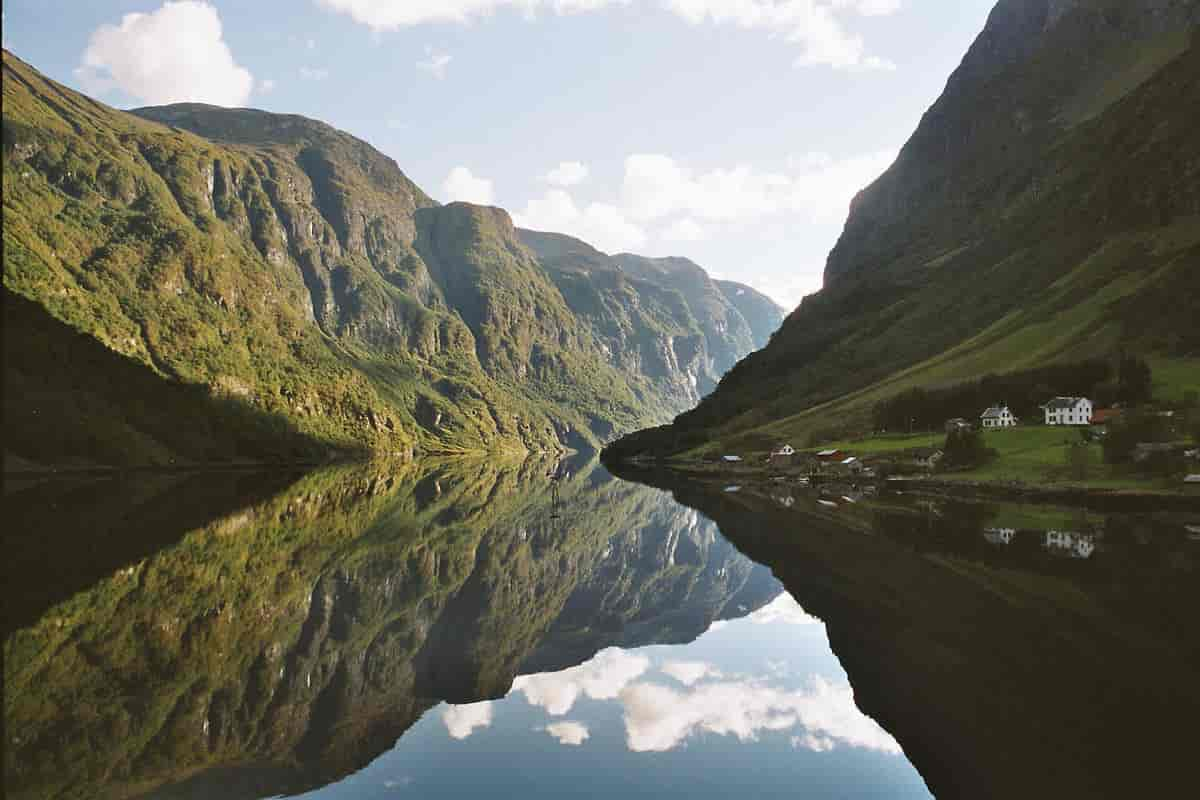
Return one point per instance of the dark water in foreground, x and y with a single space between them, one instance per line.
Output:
472 629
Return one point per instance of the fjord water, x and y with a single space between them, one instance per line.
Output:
455 629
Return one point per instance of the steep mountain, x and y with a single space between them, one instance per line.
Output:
287 642
295 276
665 319
761 312
1045 210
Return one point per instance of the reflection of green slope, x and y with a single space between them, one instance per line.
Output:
64 535
284 645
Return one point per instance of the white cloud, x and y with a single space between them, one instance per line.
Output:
602 678
790 288
601 225
461 721
314 73
871 8
659 718
818 744
266 85
462 184
806 162
813 25
689 672
384 15
656 186
175 54
567 173
568 732
685 229
783 609
435 63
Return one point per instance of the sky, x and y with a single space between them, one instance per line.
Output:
732 132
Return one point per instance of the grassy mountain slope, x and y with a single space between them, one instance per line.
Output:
276 261
1046 209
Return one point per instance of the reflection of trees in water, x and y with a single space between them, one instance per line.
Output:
300 635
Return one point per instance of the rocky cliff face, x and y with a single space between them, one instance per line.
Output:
287 643
761 312
664 319
295 269
1045 204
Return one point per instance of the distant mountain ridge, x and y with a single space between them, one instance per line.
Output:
665 318
1045 210
295 270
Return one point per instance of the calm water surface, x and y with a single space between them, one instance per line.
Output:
460 629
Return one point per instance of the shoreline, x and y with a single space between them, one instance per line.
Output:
1099 498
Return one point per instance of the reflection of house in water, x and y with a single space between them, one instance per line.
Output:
1069 543
1000 536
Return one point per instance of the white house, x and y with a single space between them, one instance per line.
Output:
1068 411
1001 536
1069 543
997 417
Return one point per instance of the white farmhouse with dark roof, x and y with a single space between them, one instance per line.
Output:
1068 411
997 417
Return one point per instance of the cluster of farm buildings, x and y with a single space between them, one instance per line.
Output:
1074 411
1060 411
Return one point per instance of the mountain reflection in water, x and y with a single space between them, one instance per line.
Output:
450 629
1013 650
279 641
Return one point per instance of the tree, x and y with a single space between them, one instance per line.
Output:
1079 461
1134 380
966 448
1125 432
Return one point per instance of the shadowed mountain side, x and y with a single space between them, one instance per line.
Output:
287 645
999 680
72 402
1046 210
